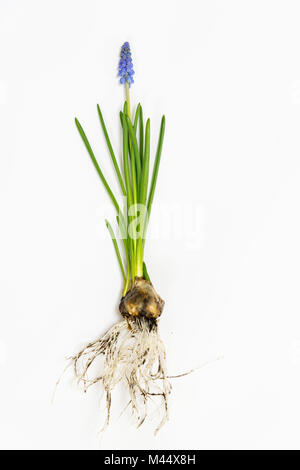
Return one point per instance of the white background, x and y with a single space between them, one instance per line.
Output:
227 76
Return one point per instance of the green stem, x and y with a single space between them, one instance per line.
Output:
127 98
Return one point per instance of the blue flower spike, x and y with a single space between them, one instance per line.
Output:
126 71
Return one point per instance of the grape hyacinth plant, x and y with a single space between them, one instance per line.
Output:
132 350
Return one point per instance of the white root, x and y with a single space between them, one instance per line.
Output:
133 353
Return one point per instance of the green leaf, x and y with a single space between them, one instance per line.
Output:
126 243
145 170
154 175
135 150
116 247
126 161
156 165
143 198
116 166
141 135
137 113
91 153
145 273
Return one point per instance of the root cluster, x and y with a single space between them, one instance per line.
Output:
134 354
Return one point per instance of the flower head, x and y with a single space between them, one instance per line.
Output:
126 71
